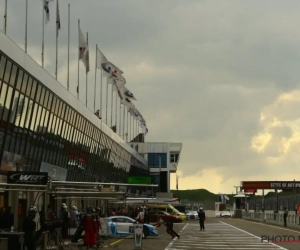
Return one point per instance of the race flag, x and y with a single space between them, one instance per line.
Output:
47 11
83 50
57 18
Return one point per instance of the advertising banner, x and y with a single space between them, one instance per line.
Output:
138 235
54 172
31 178
270 184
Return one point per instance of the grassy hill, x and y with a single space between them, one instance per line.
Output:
197 195
205 195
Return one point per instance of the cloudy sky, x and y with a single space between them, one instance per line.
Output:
222 77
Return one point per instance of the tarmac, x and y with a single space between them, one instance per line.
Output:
219 234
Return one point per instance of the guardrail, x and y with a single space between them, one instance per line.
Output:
273 218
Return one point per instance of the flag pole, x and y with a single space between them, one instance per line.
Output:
95 80
116 111
86 75
101 88
56 40
5 16
107 79
137 131
127 127
133 125
123 122
120 120
68 77
26 18
130 127
43 33
78 58
111 104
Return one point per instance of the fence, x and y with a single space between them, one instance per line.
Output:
273 218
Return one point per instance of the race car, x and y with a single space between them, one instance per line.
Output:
124 226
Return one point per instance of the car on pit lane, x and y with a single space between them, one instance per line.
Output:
192 215
225 214
124 226
157 215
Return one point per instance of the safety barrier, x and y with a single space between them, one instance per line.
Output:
273 218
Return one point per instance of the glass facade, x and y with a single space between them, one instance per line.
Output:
153 160
37 126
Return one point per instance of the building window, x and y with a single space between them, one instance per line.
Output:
153 160
174 157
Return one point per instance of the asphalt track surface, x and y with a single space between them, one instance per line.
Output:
219 234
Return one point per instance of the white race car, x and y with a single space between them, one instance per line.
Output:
124 226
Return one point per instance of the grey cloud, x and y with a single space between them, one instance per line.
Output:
216 66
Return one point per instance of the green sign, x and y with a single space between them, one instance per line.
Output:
139 180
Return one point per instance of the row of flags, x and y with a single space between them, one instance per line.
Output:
111 71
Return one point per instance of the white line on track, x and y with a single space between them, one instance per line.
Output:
172 242
268 225
279 247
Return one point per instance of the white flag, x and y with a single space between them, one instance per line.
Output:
125 100
100 59
83 50
137 115
129 94
46 10
109 69
57 18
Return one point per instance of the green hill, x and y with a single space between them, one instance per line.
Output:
195 194
205 195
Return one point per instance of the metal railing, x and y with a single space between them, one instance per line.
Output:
272 217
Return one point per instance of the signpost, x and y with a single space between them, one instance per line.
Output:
138 235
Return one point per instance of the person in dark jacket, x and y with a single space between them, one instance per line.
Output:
146 216
170 230
29 226
64 217
285 214
201 215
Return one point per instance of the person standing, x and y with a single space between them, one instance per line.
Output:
140 216
201 216
74 216
64 217
29 226
285 214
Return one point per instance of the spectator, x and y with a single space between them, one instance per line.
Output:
64 216
74 216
